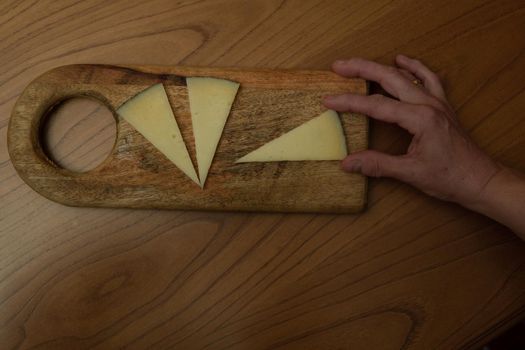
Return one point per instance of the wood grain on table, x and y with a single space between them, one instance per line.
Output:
411 272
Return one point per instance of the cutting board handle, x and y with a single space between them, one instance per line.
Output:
24 136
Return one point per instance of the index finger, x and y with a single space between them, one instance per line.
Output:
378 107
388 77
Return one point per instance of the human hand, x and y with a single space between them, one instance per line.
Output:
441 160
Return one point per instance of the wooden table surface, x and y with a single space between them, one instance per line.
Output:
409 273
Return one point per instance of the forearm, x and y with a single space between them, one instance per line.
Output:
503 199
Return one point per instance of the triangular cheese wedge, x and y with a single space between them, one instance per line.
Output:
320 138
210 103
150 113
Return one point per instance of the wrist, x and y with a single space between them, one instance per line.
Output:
503 200
487 198
487 180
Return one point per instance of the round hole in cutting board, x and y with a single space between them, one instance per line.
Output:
79 134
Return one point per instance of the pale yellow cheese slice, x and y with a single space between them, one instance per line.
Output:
320 138
210 103
150 114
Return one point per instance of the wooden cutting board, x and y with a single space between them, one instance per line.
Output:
136 175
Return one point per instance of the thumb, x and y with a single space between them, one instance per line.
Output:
376 164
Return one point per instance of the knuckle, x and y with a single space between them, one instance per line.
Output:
389 76
431 117
411 171
346 97
392 73
391 70
345 100
375 103
376 98
434 76
439 105
432 103
431 113
372 168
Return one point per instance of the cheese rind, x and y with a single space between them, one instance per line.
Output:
210 104
321 138
150 113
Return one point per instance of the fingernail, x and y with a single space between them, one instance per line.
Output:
353 166
340 62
